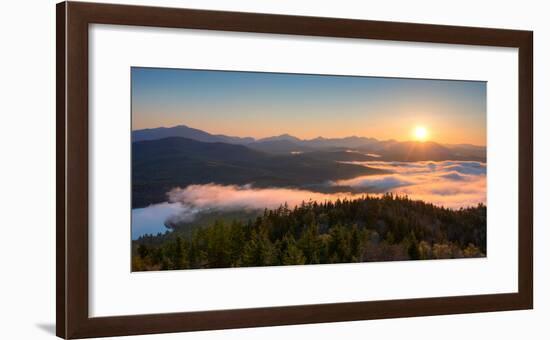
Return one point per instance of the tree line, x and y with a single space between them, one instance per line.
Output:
366 229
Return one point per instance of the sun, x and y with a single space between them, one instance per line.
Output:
420 133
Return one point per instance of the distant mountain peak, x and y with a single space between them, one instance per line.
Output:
186 132
284 136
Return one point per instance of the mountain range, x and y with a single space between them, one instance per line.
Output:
187 132
388 150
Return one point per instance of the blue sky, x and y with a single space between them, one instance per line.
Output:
265 104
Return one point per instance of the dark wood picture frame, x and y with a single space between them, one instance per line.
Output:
73 20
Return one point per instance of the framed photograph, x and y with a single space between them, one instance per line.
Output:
224 170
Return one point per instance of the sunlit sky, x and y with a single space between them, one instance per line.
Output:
253 104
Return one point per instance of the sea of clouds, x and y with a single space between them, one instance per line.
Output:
453 184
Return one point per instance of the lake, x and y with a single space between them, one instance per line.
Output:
151 219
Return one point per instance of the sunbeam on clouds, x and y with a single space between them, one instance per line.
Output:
452 184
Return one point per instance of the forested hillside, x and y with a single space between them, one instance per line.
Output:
366 229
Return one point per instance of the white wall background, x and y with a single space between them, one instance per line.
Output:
27 170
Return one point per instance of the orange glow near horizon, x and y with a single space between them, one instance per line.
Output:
260 105
404 128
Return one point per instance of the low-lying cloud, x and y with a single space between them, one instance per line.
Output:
450 184
233 197
453 184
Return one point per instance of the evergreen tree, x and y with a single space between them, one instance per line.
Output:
309 243
142 251
412 250
259 250
365 229
355 244
178 254
291 254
